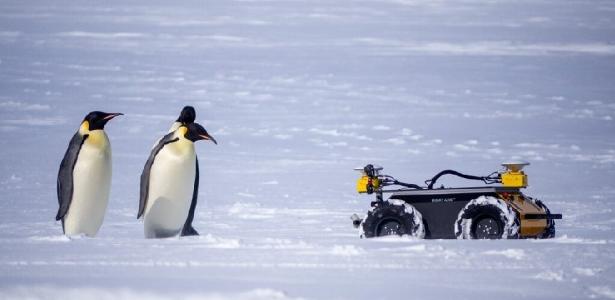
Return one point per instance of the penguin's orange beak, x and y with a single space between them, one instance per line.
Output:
197 132
206 136
110 116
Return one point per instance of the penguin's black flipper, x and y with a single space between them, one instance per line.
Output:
167 139
188 229
65 175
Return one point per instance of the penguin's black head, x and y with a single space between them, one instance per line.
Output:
97 119
196 132
187 115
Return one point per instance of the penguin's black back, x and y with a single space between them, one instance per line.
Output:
187 115
65 175
167 139
188 229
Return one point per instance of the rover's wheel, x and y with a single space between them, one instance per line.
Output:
487 217
487 227
550 230
393 217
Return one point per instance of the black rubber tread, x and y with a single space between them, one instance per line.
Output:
387 211
475 212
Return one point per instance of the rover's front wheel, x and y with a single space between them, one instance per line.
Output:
393 217
487 217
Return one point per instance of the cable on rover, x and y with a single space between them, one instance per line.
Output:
489 179
390 180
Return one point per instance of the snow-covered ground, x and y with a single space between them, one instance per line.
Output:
298 93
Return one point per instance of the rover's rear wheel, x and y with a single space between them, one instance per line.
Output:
549 232
393 217
487 217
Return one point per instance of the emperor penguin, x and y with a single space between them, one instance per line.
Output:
186 117
168 181
84 179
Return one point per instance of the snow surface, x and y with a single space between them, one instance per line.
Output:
298 93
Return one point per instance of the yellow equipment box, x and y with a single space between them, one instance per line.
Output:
366 184
514 179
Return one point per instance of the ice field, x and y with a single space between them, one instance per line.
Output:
297 94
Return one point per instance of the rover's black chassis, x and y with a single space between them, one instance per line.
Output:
440 207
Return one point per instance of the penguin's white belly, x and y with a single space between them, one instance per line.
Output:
91 185
171 184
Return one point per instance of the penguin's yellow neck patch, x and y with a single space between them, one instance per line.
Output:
85 127
181 132
97 139
184 145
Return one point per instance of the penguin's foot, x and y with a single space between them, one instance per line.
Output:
189 231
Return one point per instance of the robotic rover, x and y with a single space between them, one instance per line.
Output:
487 212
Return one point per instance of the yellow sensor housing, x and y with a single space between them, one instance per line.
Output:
514 179
514 176
364 182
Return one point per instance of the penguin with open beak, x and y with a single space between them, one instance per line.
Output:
84 178
187 116
169 181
